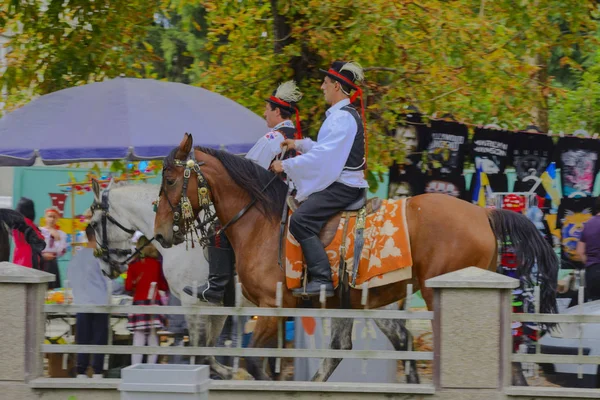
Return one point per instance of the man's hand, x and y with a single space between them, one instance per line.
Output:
289 143
277 166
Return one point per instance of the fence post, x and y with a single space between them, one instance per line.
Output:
22 297
472 330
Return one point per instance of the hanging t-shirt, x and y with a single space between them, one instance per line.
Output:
445 183
577 159
446 147
572 214
531 155
491 148
405 179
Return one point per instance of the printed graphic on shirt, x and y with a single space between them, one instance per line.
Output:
405 181
491 150
443 151
446 148
531 156
578 172
530 164
573 213
572 226
446 185
406 135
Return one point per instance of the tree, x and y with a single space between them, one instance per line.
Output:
475 59
57 44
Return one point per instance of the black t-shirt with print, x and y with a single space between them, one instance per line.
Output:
492 149
531 155
405 181
572 214
445 183
446 146
578 161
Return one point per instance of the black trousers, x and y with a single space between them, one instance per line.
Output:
592 285
51 266
91 329
313 213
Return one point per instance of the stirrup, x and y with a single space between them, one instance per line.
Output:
301 292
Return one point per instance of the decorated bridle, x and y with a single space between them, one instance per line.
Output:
103 251
185 212
192 224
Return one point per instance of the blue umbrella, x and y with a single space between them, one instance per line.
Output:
123 118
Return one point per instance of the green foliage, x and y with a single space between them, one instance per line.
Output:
483 61
58 44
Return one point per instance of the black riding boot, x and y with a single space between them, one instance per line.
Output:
220 273
318 266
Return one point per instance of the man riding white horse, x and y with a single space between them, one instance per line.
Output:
329 175
279 109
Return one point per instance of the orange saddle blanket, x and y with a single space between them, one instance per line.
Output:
386 257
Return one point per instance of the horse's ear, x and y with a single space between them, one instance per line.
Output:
185 147
96 190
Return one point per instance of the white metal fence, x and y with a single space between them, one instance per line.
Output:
237 312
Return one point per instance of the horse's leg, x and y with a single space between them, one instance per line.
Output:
264 336
341 339
214 328
396 331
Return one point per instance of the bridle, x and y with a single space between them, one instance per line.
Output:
192 224
103 250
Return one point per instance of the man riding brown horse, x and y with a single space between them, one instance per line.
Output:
279 108
329 175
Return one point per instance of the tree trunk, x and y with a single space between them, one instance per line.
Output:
540 85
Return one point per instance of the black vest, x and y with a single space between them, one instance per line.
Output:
288 133
356 158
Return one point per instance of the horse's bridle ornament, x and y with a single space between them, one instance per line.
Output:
191 223
184 207
103 251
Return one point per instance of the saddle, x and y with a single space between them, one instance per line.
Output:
331 226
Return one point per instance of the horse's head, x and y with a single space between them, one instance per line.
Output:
111 226
179 199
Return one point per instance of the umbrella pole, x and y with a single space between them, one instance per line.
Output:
73 223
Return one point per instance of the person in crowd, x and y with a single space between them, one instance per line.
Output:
142 272
23 254
89 286
56 245
588 249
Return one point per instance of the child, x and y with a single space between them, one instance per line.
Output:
147 268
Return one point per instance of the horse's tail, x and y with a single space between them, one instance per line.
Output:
530 247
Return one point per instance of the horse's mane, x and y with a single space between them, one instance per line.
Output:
251 177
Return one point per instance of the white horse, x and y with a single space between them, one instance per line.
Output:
131 206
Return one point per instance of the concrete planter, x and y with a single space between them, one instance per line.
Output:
161 381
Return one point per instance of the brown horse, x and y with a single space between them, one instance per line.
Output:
446 234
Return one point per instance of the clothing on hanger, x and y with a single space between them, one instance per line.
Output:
446 147
578 160
531 155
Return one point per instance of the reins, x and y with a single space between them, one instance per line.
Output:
194 224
